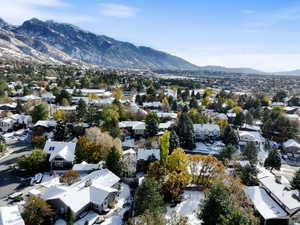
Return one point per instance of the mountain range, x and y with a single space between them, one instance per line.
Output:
60 43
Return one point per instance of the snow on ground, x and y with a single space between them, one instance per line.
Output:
188 207
114 217
91 217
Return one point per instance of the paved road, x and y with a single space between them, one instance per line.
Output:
10 182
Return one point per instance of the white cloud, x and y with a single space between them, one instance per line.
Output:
16 11
117 10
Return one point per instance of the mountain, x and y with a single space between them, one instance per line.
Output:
289 73
231 70
65 42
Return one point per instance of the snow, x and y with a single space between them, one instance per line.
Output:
116 215
188 207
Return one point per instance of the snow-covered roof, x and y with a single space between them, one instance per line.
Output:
152 104
250 136
79 194
281 192
263 203
10 215
207 128
9 105
291 143
135 125
29 98
67 108
166 115
65 150
166 125
85 167
46 123
144 153
209 149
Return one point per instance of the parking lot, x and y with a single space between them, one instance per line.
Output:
10 179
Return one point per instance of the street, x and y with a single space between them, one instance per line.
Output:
10 182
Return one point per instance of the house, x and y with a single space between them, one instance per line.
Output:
291 148
43 126
207 131
8 107
152 105
85 167
269 209
93 192
61 154
136 128
9 123
251 136
11 215
205 148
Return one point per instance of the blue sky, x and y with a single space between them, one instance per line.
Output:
262 34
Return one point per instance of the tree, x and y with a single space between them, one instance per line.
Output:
229 136
217 204
3 145
152 123
37 212
81 110
40 112
174 141
250 152
185 132
239 119
114 162
194 103
61 133
69 217
296 181
118 95
249 118
248 175
176 219
164 146
70 177
148 197
35 163
226 153
63 96
110 117
3 87
204 168
196 116
273 161
148 218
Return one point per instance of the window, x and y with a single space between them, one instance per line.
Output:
51 148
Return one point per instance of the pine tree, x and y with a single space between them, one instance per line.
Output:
174 141
239 119
185 131
40 112
230 137
148 197
81 110
273 160
251 152
61 132
152 123
296 181
113 161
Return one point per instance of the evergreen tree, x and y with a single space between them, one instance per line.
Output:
185 131
248 175
229 136
226 153
114 162
251 152
194 103
174 141
249 118
148 197
61 132
40 112
174 106
273 160
69 217
239 119
81 110
296 181
217 204
152 123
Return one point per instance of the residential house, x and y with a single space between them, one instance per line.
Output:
291 149
136 128
93 192
42 127
207 131
61 154
251 136
14 121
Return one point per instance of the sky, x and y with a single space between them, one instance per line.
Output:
261 34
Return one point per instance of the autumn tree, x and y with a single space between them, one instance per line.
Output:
204 168
37 212
70 177
164 146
